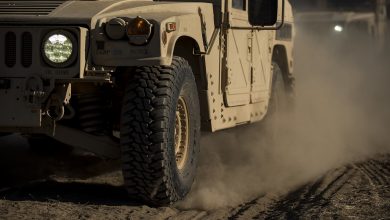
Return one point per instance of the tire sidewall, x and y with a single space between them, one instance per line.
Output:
277 106
183 178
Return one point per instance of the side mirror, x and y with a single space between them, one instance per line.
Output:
263 12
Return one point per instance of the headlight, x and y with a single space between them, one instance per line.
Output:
116 28
59 48
139 31
338 28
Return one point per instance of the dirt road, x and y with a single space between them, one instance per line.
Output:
60 185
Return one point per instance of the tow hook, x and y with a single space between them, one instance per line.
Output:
60 98
55 109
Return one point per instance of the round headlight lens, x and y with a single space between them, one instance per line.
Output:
59 48
139 31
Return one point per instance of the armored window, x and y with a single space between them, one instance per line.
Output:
239 4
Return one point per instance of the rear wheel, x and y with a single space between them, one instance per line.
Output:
279 95
160 132
278 107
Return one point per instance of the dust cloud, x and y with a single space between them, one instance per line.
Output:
341 114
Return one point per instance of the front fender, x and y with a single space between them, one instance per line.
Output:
187 26
159 51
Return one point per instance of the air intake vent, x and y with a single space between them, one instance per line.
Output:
28 7
10 49
26 49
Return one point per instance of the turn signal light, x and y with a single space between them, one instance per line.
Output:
139 31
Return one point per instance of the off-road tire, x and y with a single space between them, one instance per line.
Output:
279 99
148 122
279 106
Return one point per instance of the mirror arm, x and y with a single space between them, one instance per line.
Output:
257 28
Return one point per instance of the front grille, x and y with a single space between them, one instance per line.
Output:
21 53
28 7
26 49
22 42
10 49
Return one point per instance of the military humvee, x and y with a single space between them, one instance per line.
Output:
142 78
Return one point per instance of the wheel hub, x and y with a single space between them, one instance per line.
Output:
181 133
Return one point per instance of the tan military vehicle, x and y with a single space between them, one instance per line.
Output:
141 78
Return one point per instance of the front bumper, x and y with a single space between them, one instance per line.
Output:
29 87
16 110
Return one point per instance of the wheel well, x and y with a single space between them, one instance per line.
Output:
280 57
186 47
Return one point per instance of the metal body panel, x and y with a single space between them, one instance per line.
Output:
121 53
238 58
288 43
261 61
260 45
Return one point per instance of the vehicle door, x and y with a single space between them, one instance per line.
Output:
238 56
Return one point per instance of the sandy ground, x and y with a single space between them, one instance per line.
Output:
60 185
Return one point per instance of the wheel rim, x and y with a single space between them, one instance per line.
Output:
181 133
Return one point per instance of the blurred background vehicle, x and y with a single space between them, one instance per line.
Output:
341 20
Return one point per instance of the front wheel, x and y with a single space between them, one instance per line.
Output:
160 132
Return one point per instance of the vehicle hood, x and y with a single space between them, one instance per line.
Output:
81 12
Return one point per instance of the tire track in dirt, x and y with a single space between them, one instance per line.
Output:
378 175
244 210
376 171
310 197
